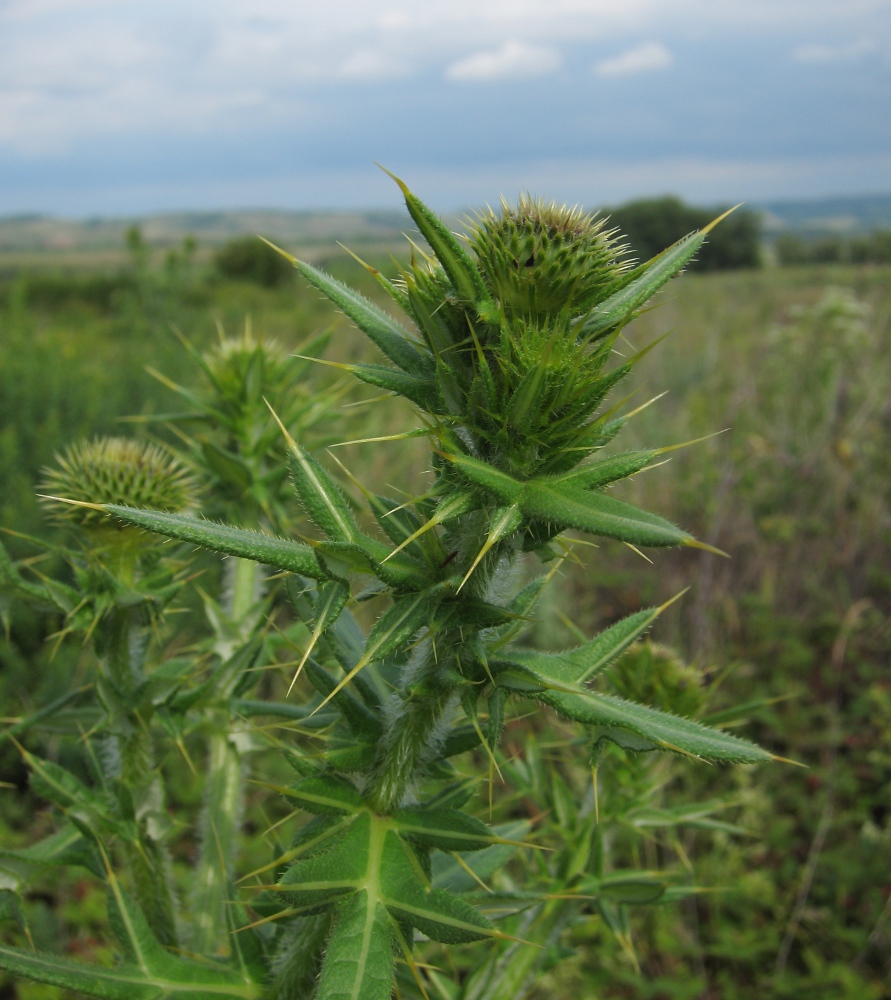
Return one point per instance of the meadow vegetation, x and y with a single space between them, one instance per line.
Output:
777 878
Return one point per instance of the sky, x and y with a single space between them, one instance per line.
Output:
111 107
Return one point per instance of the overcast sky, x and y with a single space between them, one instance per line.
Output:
117 106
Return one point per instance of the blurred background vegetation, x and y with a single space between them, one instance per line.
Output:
783 339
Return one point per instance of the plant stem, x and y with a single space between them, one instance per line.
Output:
412 729
122 646
219 827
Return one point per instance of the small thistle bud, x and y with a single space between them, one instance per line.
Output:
118 471
244 369
540 258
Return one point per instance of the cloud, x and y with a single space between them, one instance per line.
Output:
514 60
821 53
370 64
641 59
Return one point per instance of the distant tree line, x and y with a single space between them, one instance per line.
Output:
867 248
652 224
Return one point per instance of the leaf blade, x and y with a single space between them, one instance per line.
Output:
242 542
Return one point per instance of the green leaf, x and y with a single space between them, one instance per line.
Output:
88 809
436 913
322 499
419 389
450 874
456 262
359 960
363 723
391 337
340 869
326 795
575 666
398 521
666 731
242 542
397 625
230 469
67 846
606 471
619 306
49 710
480 473
446 829
150 974
599 515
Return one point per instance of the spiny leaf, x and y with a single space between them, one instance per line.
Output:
150 974
360 719
392 631
321 497
655 273
576 666
446 829
450 507
91 810
197 982
359 959
342 868
599 515
505 487
504 522
606 471
451 875
463 273
660 728
435 913
391 337
420 389
326 795
242 542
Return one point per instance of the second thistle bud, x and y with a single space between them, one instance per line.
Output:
117 471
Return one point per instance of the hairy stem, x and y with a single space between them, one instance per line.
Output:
219 825
122 648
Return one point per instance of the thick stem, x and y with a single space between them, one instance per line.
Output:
428 691
122 648
413 730
220 819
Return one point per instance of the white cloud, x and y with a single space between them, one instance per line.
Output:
372 64
77 71
821 53
514 60
641 59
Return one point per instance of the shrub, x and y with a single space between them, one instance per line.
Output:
250 259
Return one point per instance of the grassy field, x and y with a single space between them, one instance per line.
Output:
795 364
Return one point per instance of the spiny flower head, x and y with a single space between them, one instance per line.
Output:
244 369
116 471
540 258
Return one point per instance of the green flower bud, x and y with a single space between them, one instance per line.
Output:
118 471
540 258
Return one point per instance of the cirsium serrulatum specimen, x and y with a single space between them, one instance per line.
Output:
510 369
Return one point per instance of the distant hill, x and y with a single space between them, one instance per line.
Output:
839 216
39 235
35 233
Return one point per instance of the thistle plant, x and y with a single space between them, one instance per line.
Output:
123 582
510 360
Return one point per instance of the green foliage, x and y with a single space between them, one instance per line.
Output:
871 248
387 842
517 369
651 224
248 258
